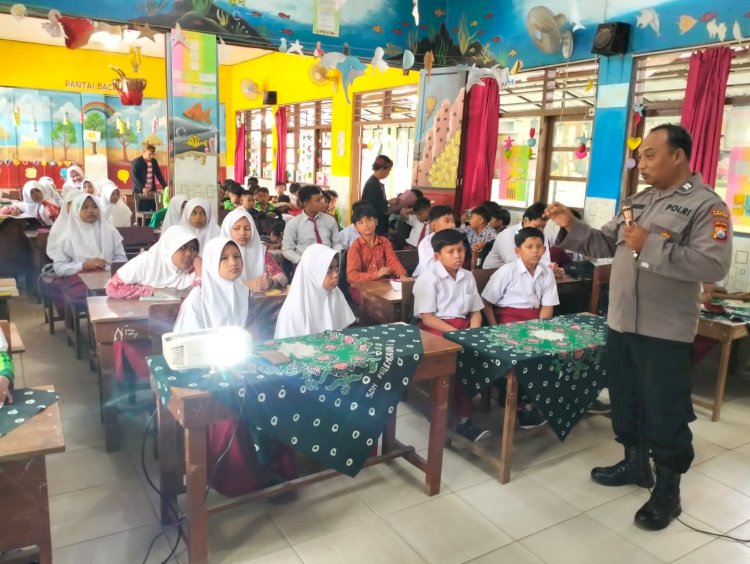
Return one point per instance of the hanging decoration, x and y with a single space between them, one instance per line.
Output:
318 52
135 58
415 12
77 31
408 61
66 119
18 11
378 61
581 152
507 146
283 47
178 37
531 143
145 32
349 67
429 60
634 142
295 47
120 125
130 89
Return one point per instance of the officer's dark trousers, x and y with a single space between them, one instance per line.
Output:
649 387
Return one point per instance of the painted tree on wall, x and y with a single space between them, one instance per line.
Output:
94 122
65 135
125 136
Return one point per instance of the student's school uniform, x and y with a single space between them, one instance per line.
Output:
218 302
141 276
419 230
504 249
488 235
453 301
173 212
363 263
348 235
208 231
426 255
519 296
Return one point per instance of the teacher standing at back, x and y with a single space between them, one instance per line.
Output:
145 172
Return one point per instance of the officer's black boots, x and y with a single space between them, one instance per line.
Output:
634 469
664 504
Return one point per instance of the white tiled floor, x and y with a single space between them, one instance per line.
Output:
102 509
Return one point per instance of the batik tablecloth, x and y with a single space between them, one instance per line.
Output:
331 402
27 402
559 363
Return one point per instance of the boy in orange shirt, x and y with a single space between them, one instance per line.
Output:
371 256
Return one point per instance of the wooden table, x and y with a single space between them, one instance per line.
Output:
8 289
195 410
380 302
24 511
724 331
95 281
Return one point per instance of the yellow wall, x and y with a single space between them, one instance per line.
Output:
288 76
30 65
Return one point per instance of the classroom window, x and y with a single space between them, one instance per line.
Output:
384 123
308 158
557 104
259 142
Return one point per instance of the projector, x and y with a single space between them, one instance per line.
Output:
225 346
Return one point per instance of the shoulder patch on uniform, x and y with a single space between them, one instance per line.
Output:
721 231
716 212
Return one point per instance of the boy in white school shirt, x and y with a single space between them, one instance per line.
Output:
419 221
503 249
441 217
446 299
523 290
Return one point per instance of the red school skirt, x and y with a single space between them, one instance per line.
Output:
515 314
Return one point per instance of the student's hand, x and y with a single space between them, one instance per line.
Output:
94 264
557 270
406 278
5 395
560 214
478 246
634 237
14 211
261 284
384 271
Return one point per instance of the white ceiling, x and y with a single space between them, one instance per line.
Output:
30 30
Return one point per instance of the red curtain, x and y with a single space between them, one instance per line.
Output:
240 155
480 143
703 108
281 144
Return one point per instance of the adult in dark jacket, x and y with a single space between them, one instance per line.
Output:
145 172
374 192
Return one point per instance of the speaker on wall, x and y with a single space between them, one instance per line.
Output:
611 39
269 98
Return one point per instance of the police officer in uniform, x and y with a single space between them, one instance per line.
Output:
681 236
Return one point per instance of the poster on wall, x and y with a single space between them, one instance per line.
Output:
440 113
738 188
194 113
512 172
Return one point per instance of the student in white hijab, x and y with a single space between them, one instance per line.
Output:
167 264
222 299
112 206
90 187
261 272
174 212
315 303
50 190
198 217
60 226
74 181
37 205
87 242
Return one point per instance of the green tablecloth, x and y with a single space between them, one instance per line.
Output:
27 402
559 363
331 403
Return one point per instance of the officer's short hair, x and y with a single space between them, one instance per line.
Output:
677 138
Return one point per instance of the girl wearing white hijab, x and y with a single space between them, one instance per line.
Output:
87 242
50 190
315 303
74 181
112 207
60 225
174 212
89 187
222 299
197 217
35 204
260 271
167 264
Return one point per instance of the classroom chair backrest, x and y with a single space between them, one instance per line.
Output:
409 258
482 276
136 237
42 236
602 273
161 319
222 214
115 266
407 301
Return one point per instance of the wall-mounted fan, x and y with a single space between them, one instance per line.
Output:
546 30
249 89
321 76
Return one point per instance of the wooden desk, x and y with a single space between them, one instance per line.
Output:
15 344
24 511
380 302
725 332
114 320
95 281
8 289
195 410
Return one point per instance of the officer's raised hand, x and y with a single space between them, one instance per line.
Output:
560 214
634 237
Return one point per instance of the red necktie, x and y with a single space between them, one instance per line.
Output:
423 233
317 233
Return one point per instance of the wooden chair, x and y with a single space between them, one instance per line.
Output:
115 266
482 276
409 258
15 344
161 319
602 274
143 218
45 285
407 301
136 238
